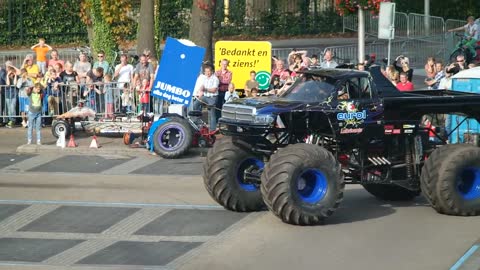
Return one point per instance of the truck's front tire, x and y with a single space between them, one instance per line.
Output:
451 180
229 170
391 192
302 184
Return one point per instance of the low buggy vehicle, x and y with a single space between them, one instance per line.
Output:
295 153
85 119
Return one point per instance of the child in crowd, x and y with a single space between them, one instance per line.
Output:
23 83
126 99
108 95
231 94
254 92
41 49
35 112
251 83
144 95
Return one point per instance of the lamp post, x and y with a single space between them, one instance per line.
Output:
226 11
361 35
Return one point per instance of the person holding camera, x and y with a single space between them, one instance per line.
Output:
402 64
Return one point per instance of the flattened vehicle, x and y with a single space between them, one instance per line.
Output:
294 154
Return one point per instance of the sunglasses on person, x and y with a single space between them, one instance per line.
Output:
460 61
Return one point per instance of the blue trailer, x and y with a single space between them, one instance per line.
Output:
469 130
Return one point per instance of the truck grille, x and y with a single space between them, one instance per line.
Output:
238 112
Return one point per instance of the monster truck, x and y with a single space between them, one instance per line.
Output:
293 154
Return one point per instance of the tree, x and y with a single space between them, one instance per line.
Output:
201 25
107 24
145 34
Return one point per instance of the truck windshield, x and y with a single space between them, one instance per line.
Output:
310 89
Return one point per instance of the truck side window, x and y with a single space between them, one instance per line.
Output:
366 89
353 88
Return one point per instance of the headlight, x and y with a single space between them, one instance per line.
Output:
265 119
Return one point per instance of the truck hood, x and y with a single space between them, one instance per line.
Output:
269 105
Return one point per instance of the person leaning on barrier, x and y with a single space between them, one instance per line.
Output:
24 83
206 93
92 92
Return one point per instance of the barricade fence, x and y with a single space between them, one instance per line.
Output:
106 99
406 47
411 25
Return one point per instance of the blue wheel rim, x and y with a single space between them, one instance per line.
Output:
312 186
171 137
243 167
468 184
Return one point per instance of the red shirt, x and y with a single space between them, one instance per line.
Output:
408 86
225 78
282 73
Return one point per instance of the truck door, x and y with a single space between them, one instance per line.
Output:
360 110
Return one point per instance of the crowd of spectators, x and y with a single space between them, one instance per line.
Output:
103 87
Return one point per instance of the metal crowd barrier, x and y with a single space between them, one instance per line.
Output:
423 27
106 99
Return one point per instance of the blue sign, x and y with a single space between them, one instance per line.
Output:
178 71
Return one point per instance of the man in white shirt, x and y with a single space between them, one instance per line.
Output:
328 60
123 74
206 93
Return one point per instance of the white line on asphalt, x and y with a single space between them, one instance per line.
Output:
465 257
130 166
113 204
29 163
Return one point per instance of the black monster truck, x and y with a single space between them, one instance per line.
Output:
295 153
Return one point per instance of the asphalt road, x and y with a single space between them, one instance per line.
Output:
102 211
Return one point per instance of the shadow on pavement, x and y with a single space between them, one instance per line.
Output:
358 205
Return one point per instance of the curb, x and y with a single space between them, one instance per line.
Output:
84 150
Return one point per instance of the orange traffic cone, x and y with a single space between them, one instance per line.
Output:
94 143
72 142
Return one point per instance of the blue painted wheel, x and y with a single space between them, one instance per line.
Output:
451 179
173 138
312 186
302 184
468 184
248 169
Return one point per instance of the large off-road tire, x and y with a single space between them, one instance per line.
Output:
59 126
225 168
391 192
302 184
173 138
451 180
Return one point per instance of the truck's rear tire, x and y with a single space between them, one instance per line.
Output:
173 138
388 192
302 184
451 180
226 166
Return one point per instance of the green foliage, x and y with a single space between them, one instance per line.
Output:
448 9
276 21
103 37
22 22
174 18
